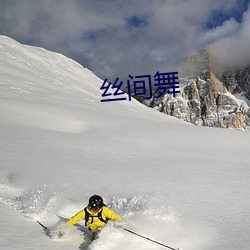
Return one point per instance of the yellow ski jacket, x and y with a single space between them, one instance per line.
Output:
94 223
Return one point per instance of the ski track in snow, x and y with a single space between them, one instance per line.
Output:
145 214
43 117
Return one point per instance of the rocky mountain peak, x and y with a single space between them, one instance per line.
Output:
206 96
196 64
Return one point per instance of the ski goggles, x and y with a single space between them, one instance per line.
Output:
94 208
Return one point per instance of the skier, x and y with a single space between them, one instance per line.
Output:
95 214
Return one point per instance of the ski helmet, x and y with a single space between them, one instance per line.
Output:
95 202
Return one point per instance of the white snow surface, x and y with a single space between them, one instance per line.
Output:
182 185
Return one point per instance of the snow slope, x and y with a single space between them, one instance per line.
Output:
176 183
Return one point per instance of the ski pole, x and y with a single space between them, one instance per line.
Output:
146 238
45 228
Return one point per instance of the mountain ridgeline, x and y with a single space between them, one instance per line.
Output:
208 97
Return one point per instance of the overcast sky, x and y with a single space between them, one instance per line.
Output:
115 38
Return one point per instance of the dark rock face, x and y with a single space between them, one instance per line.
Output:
237 81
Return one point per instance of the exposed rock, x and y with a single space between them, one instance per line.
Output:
237 81
204 99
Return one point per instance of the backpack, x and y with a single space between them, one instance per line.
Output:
88 216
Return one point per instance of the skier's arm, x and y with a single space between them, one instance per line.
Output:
77 217
110 214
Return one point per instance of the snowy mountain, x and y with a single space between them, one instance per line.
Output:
183 185
207 95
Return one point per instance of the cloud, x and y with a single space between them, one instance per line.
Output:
233 49
226 29
115 38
